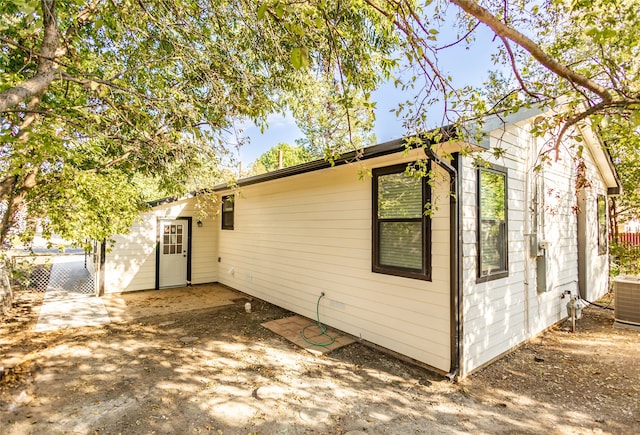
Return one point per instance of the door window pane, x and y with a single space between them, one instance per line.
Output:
172 239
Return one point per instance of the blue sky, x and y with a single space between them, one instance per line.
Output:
466 67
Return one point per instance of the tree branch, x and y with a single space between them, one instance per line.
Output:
461 39
514 67
46 72
30 52
502 30
87 84
26 90
597 108
111 163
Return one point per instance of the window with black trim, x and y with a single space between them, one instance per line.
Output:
401 229
492 223
228 206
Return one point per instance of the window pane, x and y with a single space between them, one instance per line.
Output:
227 220
401 244
227 203
227 212
492 193
399 196
492 223
492 242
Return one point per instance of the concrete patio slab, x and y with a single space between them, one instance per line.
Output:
64 305
59 312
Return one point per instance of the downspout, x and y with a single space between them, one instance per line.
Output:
455 260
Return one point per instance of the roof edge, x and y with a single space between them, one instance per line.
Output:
603 158
448 133
379 150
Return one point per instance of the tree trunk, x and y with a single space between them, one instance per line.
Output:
36 85
46 72
15 191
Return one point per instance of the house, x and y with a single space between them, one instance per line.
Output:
489 267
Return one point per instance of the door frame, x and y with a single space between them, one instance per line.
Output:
189 220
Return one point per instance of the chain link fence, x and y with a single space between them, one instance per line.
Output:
6 293
71 273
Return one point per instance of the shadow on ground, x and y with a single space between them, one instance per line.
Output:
217 370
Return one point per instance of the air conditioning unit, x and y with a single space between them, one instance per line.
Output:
627 302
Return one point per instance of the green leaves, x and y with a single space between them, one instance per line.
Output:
601 35
634 118
262 10
300 57
287 154
151 90
22 7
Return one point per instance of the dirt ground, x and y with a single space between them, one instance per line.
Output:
216 370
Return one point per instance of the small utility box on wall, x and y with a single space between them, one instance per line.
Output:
541 267
627 302
541 273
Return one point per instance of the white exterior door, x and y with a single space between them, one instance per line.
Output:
173 253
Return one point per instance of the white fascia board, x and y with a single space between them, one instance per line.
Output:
600 155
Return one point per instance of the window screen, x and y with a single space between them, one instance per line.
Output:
400 226
492 223
228 209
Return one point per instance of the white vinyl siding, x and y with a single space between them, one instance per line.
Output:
130 264
502 313
494 312
597 266
299 236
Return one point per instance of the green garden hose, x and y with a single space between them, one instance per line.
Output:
323 329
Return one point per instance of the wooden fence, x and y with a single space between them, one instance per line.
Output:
630 240
625 254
